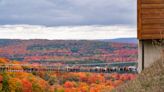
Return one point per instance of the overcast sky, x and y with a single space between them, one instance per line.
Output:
67 32
68 14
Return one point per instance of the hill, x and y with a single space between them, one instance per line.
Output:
150 80
123 40
68 51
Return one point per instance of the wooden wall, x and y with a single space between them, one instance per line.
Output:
150 19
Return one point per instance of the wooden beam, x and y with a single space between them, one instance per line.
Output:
153 16
152 36
152 11
152 1
139 19
152 31
152 6
153 21
153 26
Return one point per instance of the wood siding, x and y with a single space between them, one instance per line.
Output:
150 19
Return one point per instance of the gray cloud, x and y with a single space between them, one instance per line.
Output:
68 12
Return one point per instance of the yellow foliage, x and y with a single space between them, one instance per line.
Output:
15 84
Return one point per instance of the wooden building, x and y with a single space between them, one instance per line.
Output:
150 30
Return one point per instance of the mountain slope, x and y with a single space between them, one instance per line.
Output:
150 80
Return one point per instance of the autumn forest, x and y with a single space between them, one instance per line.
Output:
62 52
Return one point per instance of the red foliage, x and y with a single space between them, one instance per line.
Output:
1 79
69 84
27 86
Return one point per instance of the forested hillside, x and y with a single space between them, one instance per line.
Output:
44 81
68 51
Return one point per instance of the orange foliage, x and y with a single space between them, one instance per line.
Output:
69 84
27 86
14 84
75 82
1 79
4 60
83 87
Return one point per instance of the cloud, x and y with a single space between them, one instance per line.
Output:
68 12
66 32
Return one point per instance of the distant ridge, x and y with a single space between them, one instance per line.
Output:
67 51
122 40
